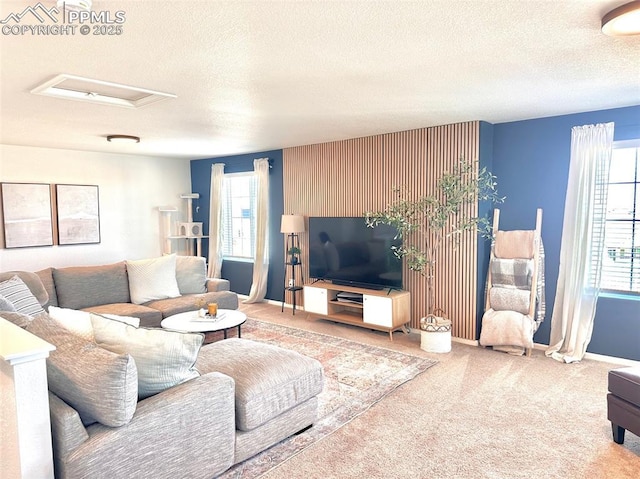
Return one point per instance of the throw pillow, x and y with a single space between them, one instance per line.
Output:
191 274
6 305
153 278
164 358
101 385
33 282
79 322
20 296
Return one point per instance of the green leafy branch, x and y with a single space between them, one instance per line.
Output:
427 222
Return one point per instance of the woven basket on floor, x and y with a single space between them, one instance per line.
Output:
435 333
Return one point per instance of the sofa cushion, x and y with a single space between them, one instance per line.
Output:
79 287
153 278
46 276
20 296
269 380
218 284
101 385
164 358
79 322
191 274
149 317
191 302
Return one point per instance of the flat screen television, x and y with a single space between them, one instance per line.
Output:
345 251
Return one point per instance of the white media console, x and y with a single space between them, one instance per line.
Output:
381 310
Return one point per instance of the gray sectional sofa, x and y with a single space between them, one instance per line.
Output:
107 289
247 397
216 405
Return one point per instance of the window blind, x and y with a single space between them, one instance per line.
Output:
621 261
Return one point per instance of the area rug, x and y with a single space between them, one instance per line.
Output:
357 376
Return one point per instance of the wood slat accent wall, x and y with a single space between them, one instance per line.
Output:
350 177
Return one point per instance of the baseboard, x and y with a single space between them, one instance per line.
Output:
273 302
468 342
611 359
596 357
543 347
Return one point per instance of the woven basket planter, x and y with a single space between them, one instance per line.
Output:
435 334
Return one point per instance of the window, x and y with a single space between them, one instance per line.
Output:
239 216
621 263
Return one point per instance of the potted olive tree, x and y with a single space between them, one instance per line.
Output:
430 222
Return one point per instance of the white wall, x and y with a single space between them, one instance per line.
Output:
130 187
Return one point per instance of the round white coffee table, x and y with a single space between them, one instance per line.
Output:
190 322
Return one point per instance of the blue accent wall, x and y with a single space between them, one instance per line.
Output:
240 273
485 209
531 160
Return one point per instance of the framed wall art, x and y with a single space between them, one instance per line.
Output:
78 214
26 214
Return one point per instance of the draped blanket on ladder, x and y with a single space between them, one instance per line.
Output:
515 292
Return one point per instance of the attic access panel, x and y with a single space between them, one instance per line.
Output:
72 87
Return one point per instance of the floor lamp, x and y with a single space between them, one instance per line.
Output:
291 225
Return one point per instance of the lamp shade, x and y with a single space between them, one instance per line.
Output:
292 224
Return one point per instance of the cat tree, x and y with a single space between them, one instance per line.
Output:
189 230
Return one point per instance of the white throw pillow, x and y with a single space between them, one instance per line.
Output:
79 322
153 278
164 358
74 321
191 274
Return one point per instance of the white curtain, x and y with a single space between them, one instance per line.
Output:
582 233
261 262
215 221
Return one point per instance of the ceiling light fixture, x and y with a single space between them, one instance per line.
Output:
622 21
123 139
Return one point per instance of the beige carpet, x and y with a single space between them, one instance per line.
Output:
477 414
356 376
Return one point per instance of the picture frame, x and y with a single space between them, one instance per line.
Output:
78 214
27 214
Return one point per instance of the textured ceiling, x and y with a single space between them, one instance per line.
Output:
252 76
